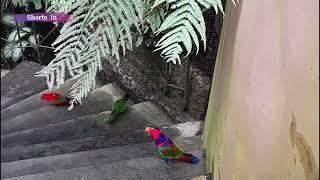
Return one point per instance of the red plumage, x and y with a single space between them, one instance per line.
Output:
50 96
55 99
167 149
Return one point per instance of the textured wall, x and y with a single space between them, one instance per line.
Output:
263 117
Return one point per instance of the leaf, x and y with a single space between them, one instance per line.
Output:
7 50
37 4
139 41
32 39
181 28
8 19
17 51
158 2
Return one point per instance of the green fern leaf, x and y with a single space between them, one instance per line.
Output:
182 27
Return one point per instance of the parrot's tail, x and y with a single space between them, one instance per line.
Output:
66 102
103 119
189 158
111 117
61 104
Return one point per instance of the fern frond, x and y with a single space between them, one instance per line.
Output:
86 80
61 5
235 3
8 19
217 4
179 22
182 27
155 17
101 28
158 2
25 3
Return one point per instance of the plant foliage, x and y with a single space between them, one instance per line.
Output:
99 28
12 49
26 3
182 27
102 28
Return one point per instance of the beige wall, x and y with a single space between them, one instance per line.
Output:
263 117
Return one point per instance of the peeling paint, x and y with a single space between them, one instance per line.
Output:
306 155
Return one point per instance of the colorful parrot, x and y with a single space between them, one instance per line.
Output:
118 107
167 149
55 99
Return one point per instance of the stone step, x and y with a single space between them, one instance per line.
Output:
118 137
97 167
20 83
138 116
98 101
98 157
33 102
4 72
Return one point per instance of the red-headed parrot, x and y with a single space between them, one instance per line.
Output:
55 99
167 149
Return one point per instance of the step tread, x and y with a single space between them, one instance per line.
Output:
109 139
20 83
138 115
88 158
33 102
148 167
98 101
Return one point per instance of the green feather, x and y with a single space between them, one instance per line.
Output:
59 101
103 119
174 152
118 107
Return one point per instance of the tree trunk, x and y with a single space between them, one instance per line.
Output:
263 119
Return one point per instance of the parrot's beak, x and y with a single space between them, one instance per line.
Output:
147 130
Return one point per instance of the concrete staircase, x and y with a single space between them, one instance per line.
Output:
39 141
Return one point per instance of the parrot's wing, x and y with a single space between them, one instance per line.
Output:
60 100
158 154
179 147
171 152
120 106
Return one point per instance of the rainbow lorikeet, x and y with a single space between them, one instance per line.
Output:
118 107
167 149
55 99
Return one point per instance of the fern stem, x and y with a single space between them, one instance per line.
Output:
48 34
